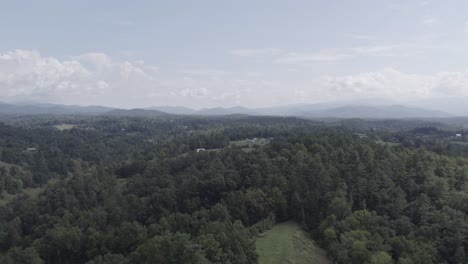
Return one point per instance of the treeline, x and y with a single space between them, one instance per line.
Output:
365 202
439 139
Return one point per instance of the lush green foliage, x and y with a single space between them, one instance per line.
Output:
130 190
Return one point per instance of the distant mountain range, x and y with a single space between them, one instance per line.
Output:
321 111
176 110
54 109
135 112
300 110
378 112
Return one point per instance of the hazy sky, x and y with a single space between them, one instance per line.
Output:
223 53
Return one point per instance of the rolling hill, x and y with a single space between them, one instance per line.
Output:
377 112
136 112
300 110
53 109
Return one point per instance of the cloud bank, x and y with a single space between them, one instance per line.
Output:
97 78
391 83
27 75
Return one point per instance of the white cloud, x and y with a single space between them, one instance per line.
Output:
26 74
424 3
95 58
450 84
345 54
321 56
466 27
361 36
393 84
204 72
334 55
289 57
206 90
388 82
96 78
256 52
383 50
102 85
194 92
430 21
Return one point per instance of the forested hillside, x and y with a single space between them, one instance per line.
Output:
135 190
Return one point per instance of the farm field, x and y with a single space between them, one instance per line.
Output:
462 143
287 243
391 144
248 145
62 127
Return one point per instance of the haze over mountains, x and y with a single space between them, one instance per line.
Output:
58 109
326 111
332 110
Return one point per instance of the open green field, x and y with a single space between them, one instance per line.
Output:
462 143
391 144
245 144
249 145
287 243
62 127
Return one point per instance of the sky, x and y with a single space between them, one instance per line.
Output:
252 53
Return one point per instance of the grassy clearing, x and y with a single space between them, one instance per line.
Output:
287 243
63 127
248 145
391 144
462 143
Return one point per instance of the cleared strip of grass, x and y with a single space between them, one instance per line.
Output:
248 145
287 243
391 144
62 127
462 143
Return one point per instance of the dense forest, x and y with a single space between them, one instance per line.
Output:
136 190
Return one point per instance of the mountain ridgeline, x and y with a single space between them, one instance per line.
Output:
306 111
320 111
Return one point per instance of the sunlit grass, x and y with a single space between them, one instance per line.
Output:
287 243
